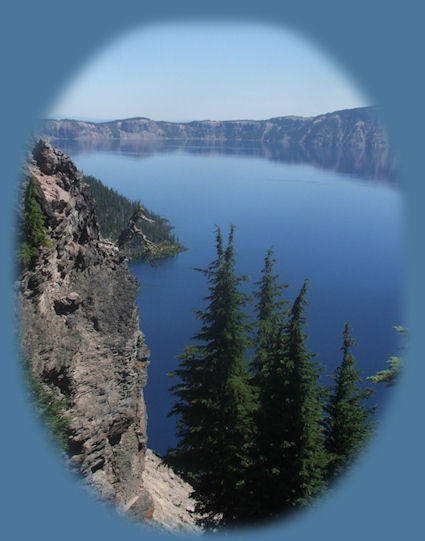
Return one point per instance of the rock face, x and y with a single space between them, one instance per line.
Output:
81 333
173 506
350 141
132 240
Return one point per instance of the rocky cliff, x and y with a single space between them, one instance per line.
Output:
351 140
173 506
80 333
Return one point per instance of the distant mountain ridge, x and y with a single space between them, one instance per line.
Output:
297 128
351 140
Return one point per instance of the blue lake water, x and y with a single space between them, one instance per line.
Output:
342 233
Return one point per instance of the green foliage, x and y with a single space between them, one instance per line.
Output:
260 438
50 408
270 313
26 253
114 212
391 375
162 250
347 424
214 399
33 231
270 382
302 415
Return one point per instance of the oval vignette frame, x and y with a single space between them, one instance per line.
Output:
36 479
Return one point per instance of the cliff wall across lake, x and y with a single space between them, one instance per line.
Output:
349 141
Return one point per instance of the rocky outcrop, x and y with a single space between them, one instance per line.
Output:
135 244
350 141
173 506
80 329
81 336
132 240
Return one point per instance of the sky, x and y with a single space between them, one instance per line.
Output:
198 71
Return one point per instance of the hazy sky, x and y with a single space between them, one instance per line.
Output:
196 71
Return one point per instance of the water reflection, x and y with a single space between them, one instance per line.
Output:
372 164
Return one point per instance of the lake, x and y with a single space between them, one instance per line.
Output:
344 233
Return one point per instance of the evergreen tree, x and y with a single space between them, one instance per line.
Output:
305 457
347 424
33 232
264 368
272 417
289 420
214 398
391 375
270 313
114 212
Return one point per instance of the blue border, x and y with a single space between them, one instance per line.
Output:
381 43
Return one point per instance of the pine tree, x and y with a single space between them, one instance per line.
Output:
214 398
347 424
33 232
268 473
391 375
289 437
270 313
305 458
267 390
